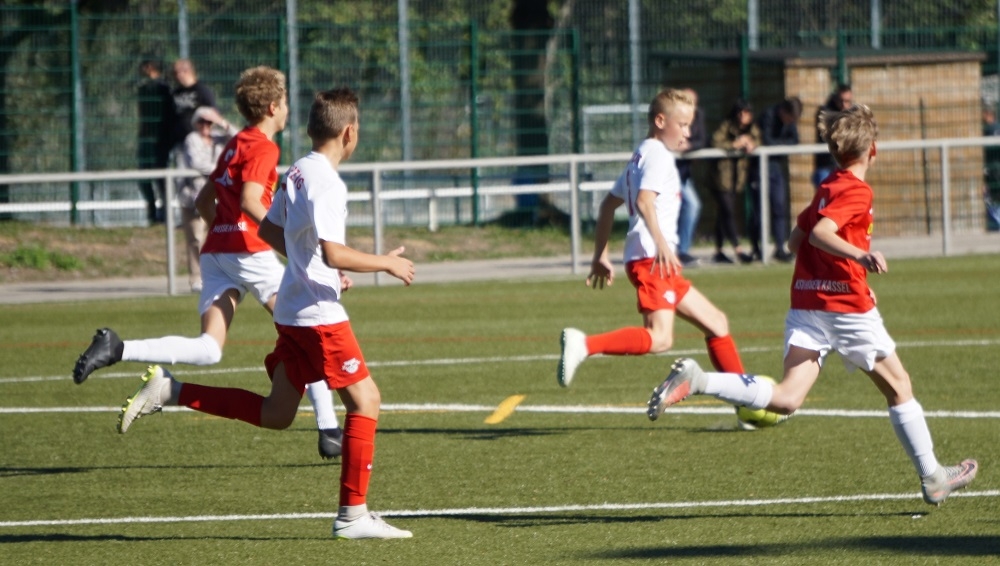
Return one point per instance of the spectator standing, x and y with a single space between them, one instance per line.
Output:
156 123
189 95
778 126
823 163
737 133
200 151
690 203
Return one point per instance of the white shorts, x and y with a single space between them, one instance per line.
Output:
259 274
860 338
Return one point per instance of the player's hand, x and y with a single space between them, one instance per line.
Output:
400 267
601 273
874 262
345 282
665 263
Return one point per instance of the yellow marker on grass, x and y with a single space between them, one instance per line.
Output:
505 409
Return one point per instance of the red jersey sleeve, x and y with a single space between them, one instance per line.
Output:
260 168
847 206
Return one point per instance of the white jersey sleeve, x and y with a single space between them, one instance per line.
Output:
655 171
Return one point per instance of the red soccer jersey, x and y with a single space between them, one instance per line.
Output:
823 281
248 157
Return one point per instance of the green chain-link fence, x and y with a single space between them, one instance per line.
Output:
477 87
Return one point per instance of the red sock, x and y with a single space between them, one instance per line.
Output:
722 352
356 460
631 341
230 403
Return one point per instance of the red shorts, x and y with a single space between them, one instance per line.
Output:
318 353
655 292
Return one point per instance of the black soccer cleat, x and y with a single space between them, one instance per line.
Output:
105 350
330 442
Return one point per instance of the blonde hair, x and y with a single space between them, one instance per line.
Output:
256 89
848 133
331 112
666 101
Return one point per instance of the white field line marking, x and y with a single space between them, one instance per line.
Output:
563 409
499 510
194 370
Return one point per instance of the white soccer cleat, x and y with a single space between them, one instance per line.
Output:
148 399
370 525
574 351
947 479
685 378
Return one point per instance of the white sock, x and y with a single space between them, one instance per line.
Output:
200 351
352 512
739 389
911 428
322 401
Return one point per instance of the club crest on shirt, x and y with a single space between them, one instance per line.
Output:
351 365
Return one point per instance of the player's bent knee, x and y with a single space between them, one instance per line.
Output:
784 406
212 351
660 345
277 421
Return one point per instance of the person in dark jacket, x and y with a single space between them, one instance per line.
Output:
156 134
778 126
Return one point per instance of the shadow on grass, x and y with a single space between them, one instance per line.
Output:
480 433
63 537
541 520
10 472
932 545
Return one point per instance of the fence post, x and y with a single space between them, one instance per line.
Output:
474 115
574 214
945 201
765 208
168 197
377 216
76 126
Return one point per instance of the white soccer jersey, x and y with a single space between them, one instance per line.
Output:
652 168
311 206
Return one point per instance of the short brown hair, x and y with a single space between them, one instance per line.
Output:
848 133
665 102
331 112
256 89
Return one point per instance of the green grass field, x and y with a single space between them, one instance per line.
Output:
573 476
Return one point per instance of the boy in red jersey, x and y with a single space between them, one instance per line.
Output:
308 222
833 309
234 260
651 187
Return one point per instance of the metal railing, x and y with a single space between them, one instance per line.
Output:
573 186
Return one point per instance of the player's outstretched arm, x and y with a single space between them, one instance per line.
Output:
339 256
601 270
824 236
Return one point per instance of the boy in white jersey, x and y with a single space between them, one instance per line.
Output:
234 261
832 308
650 186
307 222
